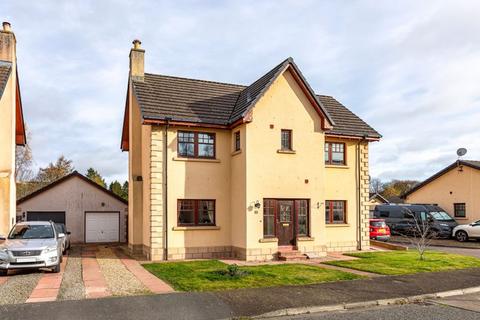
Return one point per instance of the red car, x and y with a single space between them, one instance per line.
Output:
379 230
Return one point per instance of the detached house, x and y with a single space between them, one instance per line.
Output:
258 172
456 189
12 129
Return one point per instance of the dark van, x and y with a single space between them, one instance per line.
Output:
401 218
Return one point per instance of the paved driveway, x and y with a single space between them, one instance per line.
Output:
86 272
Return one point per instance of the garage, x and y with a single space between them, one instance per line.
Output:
90 212
57 217
102 227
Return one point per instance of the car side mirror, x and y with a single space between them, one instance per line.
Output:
61 235
2 237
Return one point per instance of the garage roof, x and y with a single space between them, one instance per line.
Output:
65 178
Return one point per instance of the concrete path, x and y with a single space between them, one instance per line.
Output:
404 312
469 302
357 272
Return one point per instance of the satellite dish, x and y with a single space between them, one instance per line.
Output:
461 152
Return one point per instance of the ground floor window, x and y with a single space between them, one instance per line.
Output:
460 210
269 218
196 212
335 211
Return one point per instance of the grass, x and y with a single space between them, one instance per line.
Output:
407 262
210 275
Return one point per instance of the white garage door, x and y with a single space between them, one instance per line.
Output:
102 226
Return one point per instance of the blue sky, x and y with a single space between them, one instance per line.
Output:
411 69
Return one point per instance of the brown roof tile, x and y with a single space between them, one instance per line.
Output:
346 122
209 102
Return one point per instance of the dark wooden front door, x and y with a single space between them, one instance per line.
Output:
285 223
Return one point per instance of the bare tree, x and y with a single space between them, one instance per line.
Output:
24 161
419 232
376 185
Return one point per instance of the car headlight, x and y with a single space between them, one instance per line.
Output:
49 249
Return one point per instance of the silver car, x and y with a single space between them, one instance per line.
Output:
33 244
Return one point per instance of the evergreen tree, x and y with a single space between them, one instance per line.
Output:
116 188
93 175
125 190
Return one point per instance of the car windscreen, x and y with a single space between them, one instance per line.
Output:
440 216
378 224
26 231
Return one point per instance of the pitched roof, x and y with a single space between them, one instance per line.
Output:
469 163
65 178
376 195
186 99
216 103
5 69
346 122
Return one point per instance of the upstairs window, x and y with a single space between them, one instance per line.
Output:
286 138
237 141
196 144
460 210
335 153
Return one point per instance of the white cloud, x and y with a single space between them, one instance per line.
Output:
411 69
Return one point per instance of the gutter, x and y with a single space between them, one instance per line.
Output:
165 186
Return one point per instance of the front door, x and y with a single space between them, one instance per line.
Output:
285 225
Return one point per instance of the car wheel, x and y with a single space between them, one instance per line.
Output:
3 272
461 236
56 269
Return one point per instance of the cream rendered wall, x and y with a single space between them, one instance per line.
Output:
277 175
75 196
135 187
238 207
453 187
199 179
7 156
146 131
342 185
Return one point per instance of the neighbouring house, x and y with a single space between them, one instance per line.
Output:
258 172
456 189
12 128
376 199
90 212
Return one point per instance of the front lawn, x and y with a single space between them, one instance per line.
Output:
213 275
406 262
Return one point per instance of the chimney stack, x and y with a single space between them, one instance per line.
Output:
137 61
7 43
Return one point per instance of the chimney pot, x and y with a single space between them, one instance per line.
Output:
137 44
6 26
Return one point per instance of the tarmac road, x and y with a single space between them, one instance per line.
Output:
464 307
